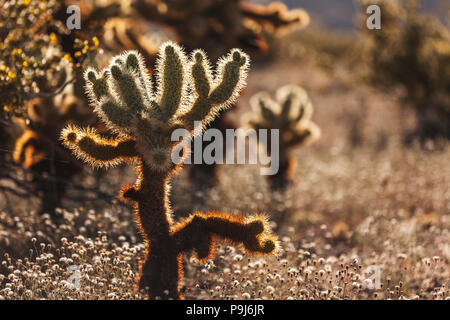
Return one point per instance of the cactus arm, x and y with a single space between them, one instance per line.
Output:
127 88
263 105
231 75
135 62
171 80
277 15
114 115
266 112
96 85
199 231
98 151
301 114
106 106
202 78
286 106
307 132
201 74
28 139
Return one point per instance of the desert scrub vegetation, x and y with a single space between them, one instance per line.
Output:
356 203
33 62
412 51
291 114
145 121
362 200
28 56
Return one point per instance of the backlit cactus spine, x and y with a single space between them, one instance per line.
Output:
290 113
144 121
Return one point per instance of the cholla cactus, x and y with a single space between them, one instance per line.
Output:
291 114
50 166
144 120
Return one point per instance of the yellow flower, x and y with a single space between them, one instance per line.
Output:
53 37
77 54
7 108
67 57
25 64
95 41
11 75
3 68
26 2
85 48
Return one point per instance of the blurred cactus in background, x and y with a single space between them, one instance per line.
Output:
50 166
412 51
144 122
218 25
291 114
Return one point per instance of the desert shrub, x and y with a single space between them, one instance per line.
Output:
32 62
412 51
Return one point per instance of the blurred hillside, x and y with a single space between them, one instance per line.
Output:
341 13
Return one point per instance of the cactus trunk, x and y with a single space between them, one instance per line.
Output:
283 178
160 270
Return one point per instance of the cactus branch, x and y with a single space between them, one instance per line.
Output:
226 227
230 75
97 151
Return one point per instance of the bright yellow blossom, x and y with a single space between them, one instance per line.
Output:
53 38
